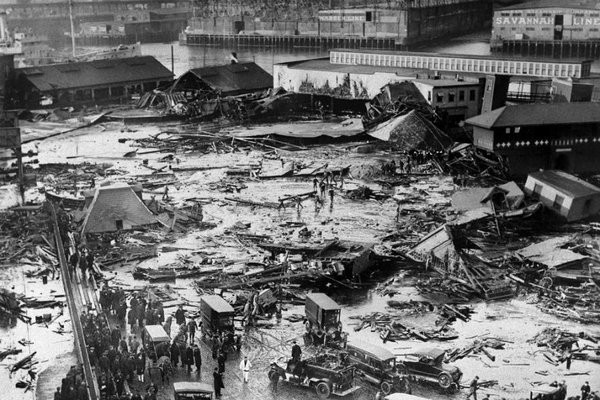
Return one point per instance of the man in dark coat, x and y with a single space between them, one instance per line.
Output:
197 358
296 352
189 358
217 382
180 315
221 362
174 355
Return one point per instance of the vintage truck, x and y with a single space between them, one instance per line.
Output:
217 318
323 314
327 374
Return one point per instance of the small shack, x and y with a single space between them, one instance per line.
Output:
116 207
228 79
568 196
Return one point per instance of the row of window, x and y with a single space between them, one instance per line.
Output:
439 96
461 65
532 14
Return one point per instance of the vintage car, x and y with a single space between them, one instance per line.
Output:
376 365
327 374
156 341
546 392
217 318
192 391
324 316
428 365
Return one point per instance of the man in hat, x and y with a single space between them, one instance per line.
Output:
296 352
473 388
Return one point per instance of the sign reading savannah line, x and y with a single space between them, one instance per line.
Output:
576 21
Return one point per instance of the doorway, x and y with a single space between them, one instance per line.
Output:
558 27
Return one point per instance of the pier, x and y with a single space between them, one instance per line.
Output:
558 49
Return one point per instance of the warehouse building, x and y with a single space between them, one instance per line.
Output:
564 136
547 20
90 82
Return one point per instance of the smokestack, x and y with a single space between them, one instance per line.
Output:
3 27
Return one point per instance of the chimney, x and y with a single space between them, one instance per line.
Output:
3 27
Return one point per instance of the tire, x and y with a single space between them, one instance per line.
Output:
271 374
386 387
445 380
323 390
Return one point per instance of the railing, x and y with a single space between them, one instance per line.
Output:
80 347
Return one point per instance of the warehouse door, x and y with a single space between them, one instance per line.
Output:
558 27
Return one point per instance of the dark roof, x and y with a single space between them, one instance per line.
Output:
217 303
232 78
566 183
324 301
538 114
97 73
432 353
578 4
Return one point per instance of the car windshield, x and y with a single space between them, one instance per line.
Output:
389 364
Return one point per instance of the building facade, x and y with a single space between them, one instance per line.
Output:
458 99
564 136
548 20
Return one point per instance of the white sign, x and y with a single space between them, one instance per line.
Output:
345 18
576 21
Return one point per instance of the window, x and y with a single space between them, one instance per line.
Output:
119 224
516 14
505 14
537 190
558 202
517 129
530 29
451 97
439 98
461 95
507 130
531 14
369 16
472 95
546 15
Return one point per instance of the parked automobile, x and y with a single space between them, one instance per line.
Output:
323 313
217 318
192 391
327 374
156 341
376 365
546 392
428 365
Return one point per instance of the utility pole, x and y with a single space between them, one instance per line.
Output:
72 26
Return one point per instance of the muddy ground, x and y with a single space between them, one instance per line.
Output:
514 320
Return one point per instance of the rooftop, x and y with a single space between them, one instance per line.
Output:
244 76
538 114
466 56
97 73
566 183
445 82
577 4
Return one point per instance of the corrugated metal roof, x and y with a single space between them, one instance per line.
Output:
534 4
538 115
114 203
95 73
232 78
566 183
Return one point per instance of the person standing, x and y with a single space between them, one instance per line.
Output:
221 362
57 394
180 315
585 390
174 354
192 330
217 382
245 366
197 359
568 359
473 388
296 352
189 358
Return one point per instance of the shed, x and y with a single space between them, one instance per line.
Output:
228 79
114 208
568 196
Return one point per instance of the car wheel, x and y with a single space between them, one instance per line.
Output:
323 390
386 387
444 380
271 375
